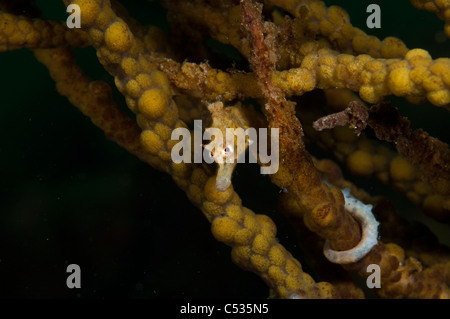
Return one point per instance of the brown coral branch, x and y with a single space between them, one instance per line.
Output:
263 56
324 206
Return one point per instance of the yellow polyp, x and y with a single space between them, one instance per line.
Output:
165 156
292 282
440 67
401 170
282 292
96 36
235 212
89 11
379 76
145 80
432 83
277 275
318 9
153 103
16 38
306 80
326 27
224 229
329 60
360 44
269 229
118 37
142 121
309 62
163 131
360 163
260 263
276 255
399 81
374 66
180 169
251 223
151 142
105 18
211 210
345 59
119 84
133 89
108 56
367 93
326 72
243 236
260 245
419 74
241 255
171 119
170 144
130 67
338 16
440 97
24 27
214 195
222 76
293 267
363 59
326 290
144 65
160 79
414 54
393 48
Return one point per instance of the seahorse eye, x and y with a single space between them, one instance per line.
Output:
228 151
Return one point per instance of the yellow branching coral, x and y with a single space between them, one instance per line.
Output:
18 32
415 76
300 61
